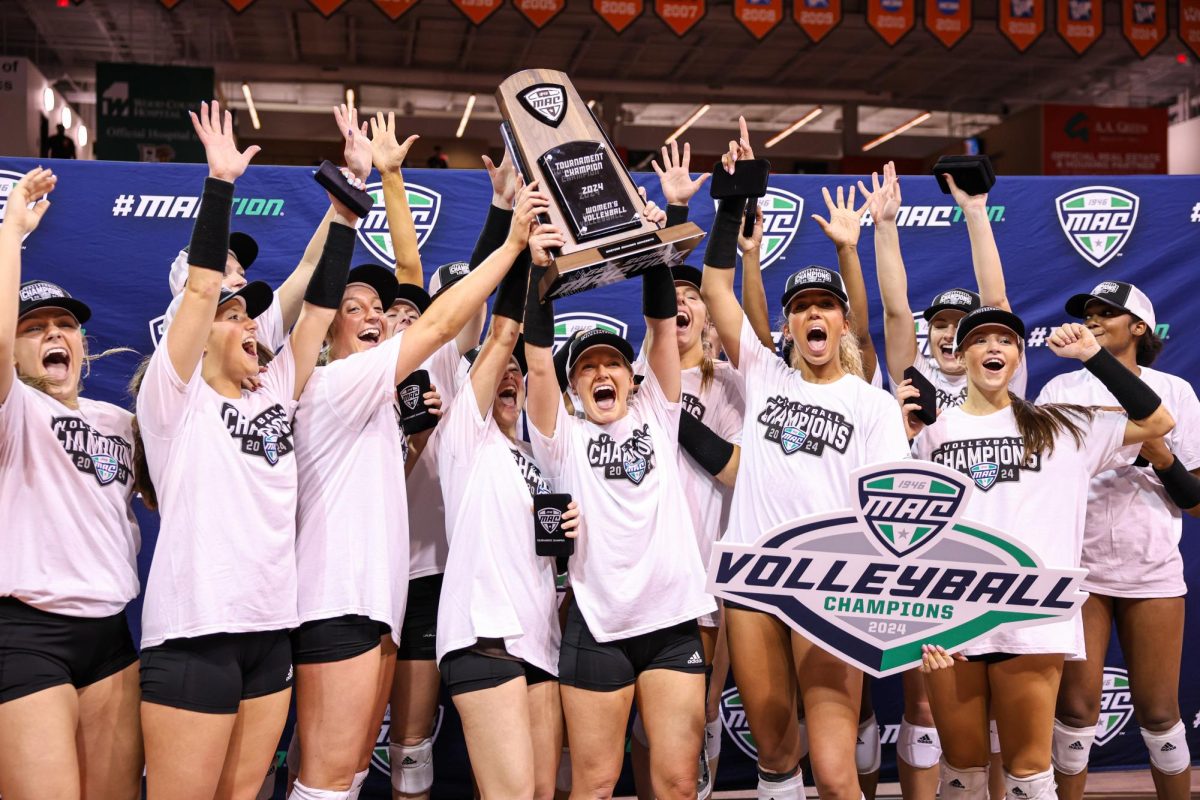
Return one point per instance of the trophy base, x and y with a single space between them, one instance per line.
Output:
614 262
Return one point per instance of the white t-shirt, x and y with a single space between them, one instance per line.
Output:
801 440
1131 542
495 586
352 519
225 474
952 389
1041 507
69 538
270 322
426 510
636 567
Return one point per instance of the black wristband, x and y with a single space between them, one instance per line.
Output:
492 235
209 247
1182 486
539 316
676 215
510 294
721 252
1138 399
328 281
658 293
710 451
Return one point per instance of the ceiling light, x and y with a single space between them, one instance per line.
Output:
81 135
462 125
795 126
892 134
250 106
65 118
689 122
47 100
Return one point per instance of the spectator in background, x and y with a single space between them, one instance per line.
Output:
59 145
438 160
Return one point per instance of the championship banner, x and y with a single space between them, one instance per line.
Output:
1189 25
539 12
141 111
759 17
618 14
817 17
394 9
327 7
477 10
1080 23
239 5
680 15
1144 23
1022 22
891 19
170 4
948 20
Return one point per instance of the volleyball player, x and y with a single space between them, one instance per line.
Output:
1131 552
68 670
1015 673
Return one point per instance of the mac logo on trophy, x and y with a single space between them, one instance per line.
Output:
554 137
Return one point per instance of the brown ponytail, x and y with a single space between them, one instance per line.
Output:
1040 424
141 469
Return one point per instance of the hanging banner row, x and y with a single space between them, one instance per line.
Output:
1080 23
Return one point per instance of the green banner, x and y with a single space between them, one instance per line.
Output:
141 111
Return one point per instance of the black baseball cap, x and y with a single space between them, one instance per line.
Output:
814 277
1124 296
412 294
244 248
381 279
518 353
596 337
685 273
963 300
256 294
446 276
44 294
988 315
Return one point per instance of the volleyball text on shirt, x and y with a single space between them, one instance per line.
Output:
107 458
799 427
988 461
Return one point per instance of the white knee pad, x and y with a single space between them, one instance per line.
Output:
867 751
1168 749
790 789
302 792
638 731
562 779
803 738
356 786
412 767
918 746
994 735
964 784
1034 787
1071 748
712 739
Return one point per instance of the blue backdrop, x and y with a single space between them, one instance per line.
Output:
115 228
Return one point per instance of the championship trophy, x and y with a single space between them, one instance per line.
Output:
553 137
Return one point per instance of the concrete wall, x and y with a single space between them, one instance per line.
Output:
1183 148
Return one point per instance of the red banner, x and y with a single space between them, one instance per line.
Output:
327 7
1080 23
760 17
680 15
1144 23
891 19
619 14
170 4
948 20
1022 22
1189 25
477 10
539 12
818 17
1090 140
239 5
394 9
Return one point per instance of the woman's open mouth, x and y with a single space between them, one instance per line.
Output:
605 397
57 363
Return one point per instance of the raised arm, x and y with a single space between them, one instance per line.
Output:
989 273
842 228
544 397
754 294
187 334
19 221
899 331
388 155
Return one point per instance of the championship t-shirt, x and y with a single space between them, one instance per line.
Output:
1131 540
636 567
495 585
352 520
1041 504
801 440
225 473
952 389
69 540
270 322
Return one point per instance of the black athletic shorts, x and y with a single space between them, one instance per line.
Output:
418 634
992 658
322 641
39 649
739 607
213 674
608 666
469 671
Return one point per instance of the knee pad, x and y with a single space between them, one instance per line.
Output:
637 731
1071 748
302 792
412 767
562 779
994 736
1033 787
704 783
777 786
964 784
803 738
1168 749
356 786
712 739
918 746
867 751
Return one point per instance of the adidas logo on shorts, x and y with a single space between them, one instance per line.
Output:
924 739
696 659
1075 746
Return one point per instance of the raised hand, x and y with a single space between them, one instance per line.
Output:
358 147
386 152
570 520
433 401
530 203
504 181
966 202
752 244
27 202
225 161
739 150
906 395
675 176
345 215
1073 340
883 198
651 211
543 239
845 222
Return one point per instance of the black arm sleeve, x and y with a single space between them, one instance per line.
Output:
658 293
700 442
539 316
493 234
209 247
328 281
510 295
722 239
1182 486
676 215
1138 399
